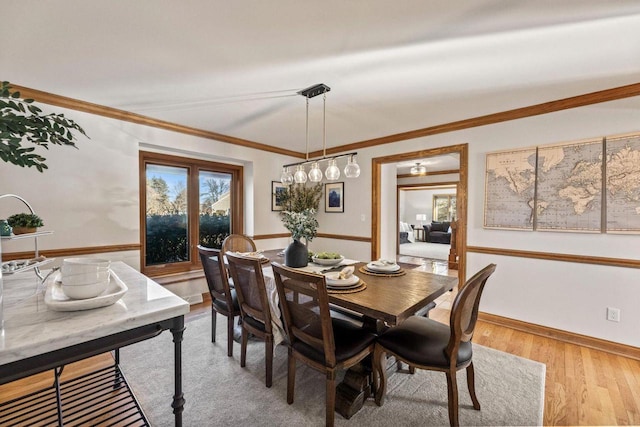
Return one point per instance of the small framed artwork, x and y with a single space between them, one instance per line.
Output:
334 197
277 188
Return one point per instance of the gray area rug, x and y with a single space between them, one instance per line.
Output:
425 250
219 392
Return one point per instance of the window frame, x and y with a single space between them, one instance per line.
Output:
193 167
449 197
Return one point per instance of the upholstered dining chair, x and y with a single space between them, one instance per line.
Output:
426 344
223 298
237 243
254 306
322 342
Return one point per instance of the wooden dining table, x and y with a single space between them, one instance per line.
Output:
386 301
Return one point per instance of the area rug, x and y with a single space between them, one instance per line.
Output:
219 392
425 250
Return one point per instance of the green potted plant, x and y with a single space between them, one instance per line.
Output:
300 224
24 223
21 120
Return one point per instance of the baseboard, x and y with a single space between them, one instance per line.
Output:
564 336
193 299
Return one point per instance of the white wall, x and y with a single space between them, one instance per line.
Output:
413 202
567 296
90 197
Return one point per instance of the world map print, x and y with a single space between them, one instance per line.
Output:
565 183
509 189
569 193
623 184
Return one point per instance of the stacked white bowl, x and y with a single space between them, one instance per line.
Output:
84 278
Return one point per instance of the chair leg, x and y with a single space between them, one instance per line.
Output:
471 383
230 335
291 376
379 374
330 399
268 348
412 369
243 347
452 391
213 325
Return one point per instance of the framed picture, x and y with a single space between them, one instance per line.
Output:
334 197
277 188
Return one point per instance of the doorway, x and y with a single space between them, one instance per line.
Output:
384 194
422 209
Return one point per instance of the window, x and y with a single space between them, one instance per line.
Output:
184 203
444 207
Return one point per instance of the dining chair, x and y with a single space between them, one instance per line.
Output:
237 243
254 306
426 344
223 298
322 342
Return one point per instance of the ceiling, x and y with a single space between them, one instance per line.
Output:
234 67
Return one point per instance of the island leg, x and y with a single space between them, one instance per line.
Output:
178 399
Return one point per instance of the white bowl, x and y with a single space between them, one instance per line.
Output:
71 266
327 261
87 278
90 290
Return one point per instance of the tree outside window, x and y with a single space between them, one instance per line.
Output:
186 203
444 207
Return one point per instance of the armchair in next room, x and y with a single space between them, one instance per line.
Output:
438 232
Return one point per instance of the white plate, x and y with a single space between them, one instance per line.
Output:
56 300
258 255
333 279
342 288
21 265
327 261
382 267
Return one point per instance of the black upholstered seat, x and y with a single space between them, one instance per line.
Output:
426 344
349 340
423 341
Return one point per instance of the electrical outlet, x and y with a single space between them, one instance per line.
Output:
613 314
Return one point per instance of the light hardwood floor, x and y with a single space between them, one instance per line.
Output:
583 386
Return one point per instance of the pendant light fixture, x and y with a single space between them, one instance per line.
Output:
352 170
332 172
418 169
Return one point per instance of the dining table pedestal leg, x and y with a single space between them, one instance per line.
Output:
357 385
354 389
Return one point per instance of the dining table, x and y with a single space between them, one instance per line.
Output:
384 301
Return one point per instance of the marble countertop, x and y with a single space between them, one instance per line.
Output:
31 328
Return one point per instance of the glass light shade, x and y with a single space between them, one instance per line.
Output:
418 169
300 176
315 174
352 170
332 173
286 178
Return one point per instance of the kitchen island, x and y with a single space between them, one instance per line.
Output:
36 338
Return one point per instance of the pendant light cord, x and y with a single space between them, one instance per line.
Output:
324 124
307 131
